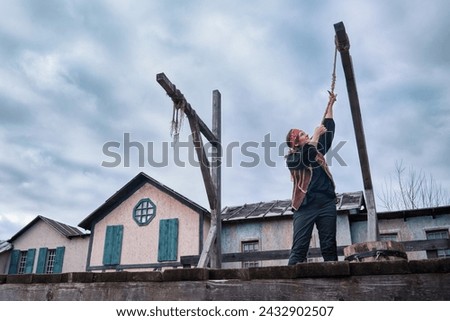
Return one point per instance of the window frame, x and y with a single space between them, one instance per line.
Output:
442 253
248 264
149 216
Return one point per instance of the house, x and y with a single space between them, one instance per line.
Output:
46 246
144 226
425 231
267 227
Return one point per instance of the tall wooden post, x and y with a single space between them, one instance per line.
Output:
211 174
343 44
217 175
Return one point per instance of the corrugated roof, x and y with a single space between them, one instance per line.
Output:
345 201
64 229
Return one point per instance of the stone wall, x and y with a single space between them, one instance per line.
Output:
383 280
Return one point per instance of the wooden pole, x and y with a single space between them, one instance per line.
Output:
216 174
344 48
211 174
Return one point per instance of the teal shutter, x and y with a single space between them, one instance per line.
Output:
59 259
113 245
42 258
14 262
168 240
30 261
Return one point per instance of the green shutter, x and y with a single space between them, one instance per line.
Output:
59 259
107 249
14 262
42 258
30 261
117 248
113 245
168 240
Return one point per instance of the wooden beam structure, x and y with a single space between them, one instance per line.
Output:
211 172
343 45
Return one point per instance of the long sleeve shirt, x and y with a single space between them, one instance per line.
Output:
305 158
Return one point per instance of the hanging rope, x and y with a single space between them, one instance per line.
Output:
333 80
177 118
333 76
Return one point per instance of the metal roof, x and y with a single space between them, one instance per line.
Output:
64 229
345 202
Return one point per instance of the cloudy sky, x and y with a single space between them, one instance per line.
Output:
78 85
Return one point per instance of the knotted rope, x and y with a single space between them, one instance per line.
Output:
178 113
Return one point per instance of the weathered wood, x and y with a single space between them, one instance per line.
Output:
204 163
203 260
176 95
216 259
343 45
375 251
211 175
409 246
425 280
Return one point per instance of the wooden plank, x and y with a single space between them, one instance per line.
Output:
204 257
410 246
426 245
204 163
344 49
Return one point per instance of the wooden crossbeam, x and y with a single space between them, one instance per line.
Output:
176 96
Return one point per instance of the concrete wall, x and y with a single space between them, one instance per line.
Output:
379 281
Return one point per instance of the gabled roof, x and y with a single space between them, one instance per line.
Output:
63 229
126 191
352 202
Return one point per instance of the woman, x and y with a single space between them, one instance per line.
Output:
313 195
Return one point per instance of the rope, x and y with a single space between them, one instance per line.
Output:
333 79
333 76
179 104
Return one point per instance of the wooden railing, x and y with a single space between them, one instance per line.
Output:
410 246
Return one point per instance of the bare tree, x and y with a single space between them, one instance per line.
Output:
412 189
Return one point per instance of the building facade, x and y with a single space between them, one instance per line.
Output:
144 226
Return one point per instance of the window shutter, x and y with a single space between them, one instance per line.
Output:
108 245
30 261
42 258
113 245
168 240
59 259
14 262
